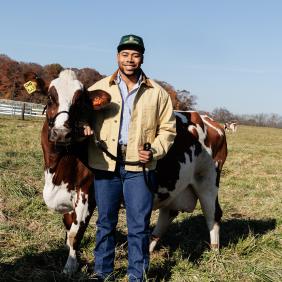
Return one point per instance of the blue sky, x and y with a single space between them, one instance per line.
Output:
228 53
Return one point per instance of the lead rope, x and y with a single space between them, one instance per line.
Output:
147 147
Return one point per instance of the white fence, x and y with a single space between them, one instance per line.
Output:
17 108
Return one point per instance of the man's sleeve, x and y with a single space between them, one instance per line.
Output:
166 130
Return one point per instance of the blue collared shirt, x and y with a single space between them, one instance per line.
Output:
127 104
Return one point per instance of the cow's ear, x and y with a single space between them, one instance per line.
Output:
99 99
34 83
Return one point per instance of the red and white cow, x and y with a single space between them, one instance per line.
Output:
68 185
231 126
191 171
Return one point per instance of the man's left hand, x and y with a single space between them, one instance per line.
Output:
145 156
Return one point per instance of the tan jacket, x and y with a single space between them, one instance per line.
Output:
152 120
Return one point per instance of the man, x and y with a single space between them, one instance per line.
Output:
140 112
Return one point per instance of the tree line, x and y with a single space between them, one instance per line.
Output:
14 74
266 120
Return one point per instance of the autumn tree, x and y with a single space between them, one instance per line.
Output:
186 101
88 76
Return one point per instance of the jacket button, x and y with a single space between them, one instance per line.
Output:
114 140
115 121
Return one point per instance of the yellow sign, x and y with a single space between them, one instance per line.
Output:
30 87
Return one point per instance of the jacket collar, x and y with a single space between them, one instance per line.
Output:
145 79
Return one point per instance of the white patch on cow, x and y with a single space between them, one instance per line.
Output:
66 85
197 180
82 212
71 265
82 208
202 136
205 119
185 201
58 198
153 245
214 236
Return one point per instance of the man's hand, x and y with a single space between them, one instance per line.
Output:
87 130
144 156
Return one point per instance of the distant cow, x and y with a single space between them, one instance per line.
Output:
68 185
231 126
190 171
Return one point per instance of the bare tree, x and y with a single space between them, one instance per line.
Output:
186 101
222 115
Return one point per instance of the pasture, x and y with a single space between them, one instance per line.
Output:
32 238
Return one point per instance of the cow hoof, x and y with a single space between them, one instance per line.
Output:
214 247
71 266
153 243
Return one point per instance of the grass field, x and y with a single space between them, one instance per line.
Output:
32 238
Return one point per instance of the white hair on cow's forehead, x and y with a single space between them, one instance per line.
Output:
66 82
66 86
68 74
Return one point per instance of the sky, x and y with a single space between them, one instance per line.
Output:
228 53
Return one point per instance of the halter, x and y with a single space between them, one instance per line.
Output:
103 147
51 121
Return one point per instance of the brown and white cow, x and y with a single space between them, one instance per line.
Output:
191 171
68 185
231 126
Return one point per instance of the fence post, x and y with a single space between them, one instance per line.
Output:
23 110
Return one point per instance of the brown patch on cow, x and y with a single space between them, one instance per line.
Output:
196 119
67 219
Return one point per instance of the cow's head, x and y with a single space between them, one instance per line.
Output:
69 107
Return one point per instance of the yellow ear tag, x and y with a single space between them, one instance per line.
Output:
30 87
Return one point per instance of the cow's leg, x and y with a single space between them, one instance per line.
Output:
166 216
210 207
76 223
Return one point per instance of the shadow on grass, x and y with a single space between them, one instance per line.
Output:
191 238
48 266
44 266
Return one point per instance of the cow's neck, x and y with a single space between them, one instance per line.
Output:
53 154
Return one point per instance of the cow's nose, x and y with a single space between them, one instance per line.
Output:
60 135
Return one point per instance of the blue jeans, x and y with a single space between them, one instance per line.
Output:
110 189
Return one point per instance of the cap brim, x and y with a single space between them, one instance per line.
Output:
131 47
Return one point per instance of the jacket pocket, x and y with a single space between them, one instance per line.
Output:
149 118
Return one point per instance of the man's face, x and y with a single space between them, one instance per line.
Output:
129 61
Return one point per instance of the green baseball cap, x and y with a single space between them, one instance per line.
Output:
131 41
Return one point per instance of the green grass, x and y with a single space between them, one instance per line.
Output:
32 237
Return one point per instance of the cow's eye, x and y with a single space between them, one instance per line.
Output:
49 100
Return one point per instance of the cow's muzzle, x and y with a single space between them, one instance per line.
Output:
60 135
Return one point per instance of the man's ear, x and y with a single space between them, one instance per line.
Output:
99 99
